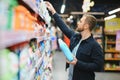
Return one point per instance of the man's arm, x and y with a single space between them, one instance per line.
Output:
67 31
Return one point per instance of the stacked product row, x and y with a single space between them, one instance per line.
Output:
26 42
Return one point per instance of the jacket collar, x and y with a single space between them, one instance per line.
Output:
89 38
79 36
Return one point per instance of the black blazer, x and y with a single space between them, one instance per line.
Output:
89 54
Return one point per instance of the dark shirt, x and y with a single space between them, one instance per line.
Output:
89 54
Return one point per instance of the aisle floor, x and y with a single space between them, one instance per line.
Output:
59 72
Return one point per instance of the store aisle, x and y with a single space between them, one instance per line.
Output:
108 76
59 72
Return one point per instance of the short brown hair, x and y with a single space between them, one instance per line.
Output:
90 20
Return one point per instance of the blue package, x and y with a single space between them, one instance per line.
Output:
65 50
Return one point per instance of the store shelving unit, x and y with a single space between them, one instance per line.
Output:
29 65
112 56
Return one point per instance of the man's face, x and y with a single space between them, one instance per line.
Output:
81 24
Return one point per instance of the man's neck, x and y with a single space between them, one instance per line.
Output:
85 34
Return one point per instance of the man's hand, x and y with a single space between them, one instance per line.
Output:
73 62
50 7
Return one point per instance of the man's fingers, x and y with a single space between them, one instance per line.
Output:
47 3
67 61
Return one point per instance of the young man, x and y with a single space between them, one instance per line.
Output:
88 53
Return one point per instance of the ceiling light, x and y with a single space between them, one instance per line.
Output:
62 8
114 11
110 17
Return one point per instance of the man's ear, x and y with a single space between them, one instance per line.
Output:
86 26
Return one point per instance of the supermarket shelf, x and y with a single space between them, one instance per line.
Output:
110 33
111 60
40 9
114 59
109 42
113 51
112 69
10 38
33 71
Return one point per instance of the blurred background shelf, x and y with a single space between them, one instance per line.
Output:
111 42
113 51
112 69
114 59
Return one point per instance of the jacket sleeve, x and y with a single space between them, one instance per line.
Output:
97 63
67 31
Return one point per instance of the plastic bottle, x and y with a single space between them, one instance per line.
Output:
65 50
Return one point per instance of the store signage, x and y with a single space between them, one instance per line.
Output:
112 25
